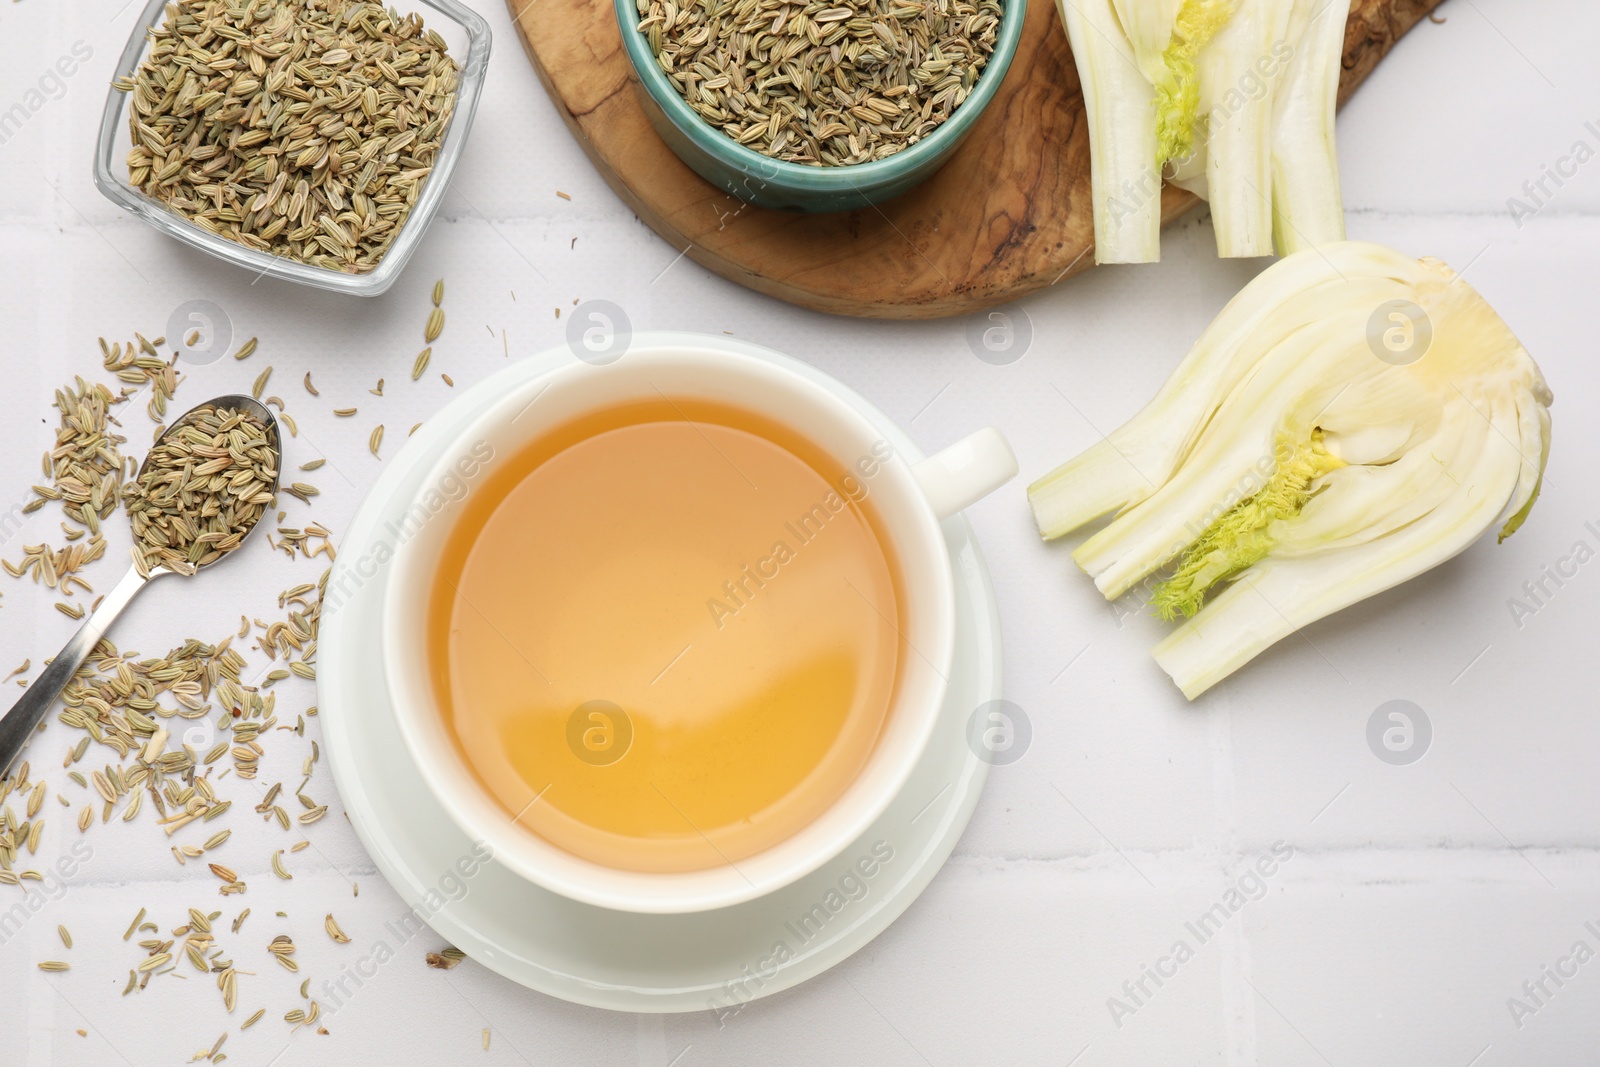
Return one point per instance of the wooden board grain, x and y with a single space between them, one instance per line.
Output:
1008 215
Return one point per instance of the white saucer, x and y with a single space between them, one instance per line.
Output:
589 955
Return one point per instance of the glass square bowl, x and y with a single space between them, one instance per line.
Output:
466 35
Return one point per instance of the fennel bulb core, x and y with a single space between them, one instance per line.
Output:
1178 89
1247 532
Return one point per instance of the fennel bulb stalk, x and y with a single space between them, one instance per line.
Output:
1231 99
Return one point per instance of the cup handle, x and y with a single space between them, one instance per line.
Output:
966 472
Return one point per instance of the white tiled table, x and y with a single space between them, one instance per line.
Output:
1419 898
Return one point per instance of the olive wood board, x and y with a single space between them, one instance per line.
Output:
1010 213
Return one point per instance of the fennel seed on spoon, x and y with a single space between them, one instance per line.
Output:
200 490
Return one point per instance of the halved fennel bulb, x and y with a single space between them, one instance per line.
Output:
1352 418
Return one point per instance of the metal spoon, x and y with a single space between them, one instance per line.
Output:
19 724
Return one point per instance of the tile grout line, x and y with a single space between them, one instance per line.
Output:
1238 1007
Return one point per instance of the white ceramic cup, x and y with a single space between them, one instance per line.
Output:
911 498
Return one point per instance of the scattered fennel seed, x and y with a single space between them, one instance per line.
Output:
445 958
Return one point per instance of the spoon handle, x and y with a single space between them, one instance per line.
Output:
25 715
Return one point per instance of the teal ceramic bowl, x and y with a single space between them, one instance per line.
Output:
749 175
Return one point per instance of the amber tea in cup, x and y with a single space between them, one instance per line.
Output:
666 636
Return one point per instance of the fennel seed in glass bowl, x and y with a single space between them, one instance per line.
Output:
309 140
302 130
